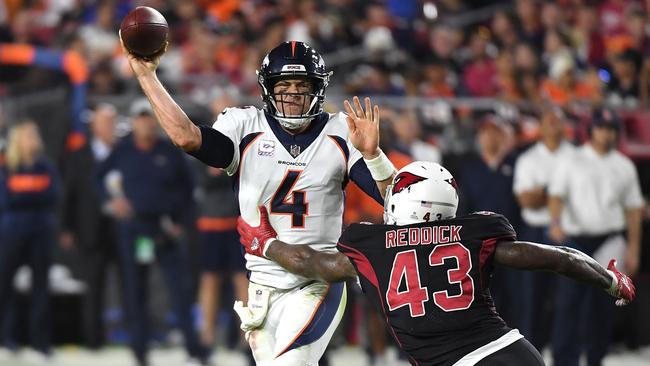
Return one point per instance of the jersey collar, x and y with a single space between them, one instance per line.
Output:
296 144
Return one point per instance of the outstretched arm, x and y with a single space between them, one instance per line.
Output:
299 259
182 132
568 262
206 144
305 261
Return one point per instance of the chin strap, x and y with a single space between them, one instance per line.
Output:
293 123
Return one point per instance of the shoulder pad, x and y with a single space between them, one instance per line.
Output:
237 113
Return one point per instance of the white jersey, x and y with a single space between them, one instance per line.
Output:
596 190
535 168
300 179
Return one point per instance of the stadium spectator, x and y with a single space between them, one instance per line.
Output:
533 171
104 81
434 82
525 58
635 24
594 197
554 17
180 19
485 183
527 90
504 30
564 87
556 46
409 139
374 80
147 189
478 75
624 89
305 27
29 188
100 38
611 16
445 41
84 225
377 28
221 257
531 28
587 38
505 77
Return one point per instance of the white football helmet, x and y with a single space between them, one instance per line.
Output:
421 191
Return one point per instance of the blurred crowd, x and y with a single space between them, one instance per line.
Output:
561 51
459 82
520 54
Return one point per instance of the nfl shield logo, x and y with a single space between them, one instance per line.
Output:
294 150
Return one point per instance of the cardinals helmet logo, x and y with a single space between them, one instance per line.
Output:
405 180
452 182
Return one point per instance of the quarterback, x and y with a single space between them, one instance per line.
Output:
295 160
429 271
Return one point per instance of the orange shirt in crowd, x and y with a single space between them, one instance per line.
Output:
221 10
359 206
561 96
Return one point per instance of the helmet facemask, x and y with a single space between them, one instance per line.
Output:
275 102
293 60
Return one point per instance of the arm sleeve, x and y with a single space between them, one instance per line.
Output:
216 150
361 176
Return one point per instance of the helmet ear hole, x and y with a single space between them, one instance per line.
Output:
392 208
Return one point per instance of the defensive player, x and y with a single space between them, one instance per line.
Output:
296 160
429 271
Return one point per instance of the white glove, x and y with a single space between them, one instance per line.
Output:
253 315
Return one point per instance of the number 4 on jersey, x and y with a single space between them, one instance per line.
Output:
406 269
297 207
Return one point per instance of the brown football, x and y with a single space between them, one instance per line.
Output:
144 31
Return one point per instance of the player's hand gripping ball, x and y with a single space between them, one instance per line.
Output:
144 32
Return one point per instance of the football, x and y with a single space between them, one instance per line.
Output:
144 31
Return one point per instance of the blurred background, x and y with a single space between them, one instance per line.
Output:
460 82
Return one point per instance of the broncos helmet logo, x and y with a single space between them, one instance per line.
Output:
405 180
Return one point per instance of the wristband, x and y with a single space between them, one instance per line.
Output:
267 244
613 289
380 167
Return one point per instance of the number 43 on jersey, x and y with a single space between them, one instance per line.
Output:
406 270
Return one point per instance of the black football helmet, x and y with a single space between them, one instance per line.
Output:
293 60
